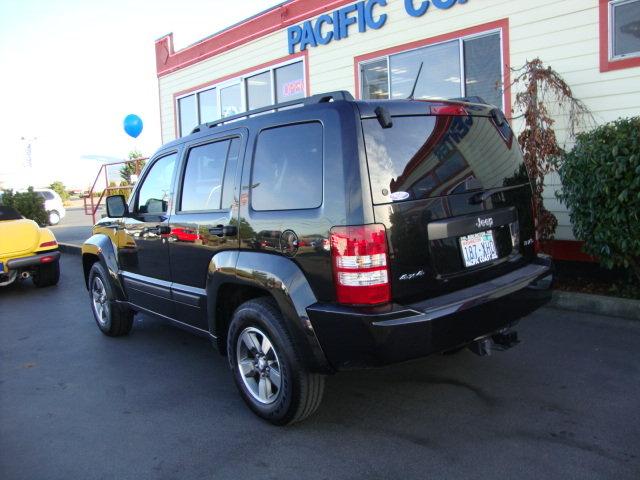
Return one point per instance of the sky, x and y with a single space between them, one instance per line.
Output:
71 70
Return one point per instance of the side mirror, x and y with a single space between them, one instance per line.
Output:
116 206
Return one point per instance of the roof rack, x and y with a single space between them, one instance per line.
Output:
312 100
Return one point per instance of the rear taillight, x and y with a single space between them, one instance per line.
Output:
47 259
52 243
455 110
360 264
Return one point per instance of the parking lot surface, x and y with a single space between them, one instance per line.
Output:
161 404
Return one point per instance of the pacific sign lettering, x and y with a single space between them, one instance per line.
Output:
366 14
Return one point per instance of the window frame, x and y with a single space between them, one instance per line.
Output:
136 195
460 39
227 136
611 31
237 79
608 61
253 162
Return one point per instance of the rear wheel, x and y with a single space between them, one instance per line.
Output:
112 319
54 217
266 368
47 274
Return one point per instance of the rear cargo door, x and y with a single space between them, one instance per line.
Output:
454 196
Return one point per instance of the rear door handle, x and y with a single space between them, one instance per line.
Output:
224 230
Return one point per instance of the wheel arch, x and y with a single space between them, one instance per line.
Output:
100 248
236 277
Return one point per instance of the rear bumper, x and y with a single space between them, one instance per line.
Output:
33 260
356 337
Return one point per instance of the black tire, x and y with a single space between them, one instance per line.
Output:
47 274
300 391
112 319
53 217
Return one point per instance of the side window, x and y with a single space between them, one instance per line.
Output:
202 184
153 196
287 168
230 173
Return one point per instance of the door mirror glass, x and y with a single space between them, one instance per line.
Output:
116 206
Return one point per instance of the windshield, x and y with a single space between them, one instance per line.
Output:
8 213
428 156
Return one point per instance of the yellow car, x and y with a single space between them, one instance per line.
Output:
26 250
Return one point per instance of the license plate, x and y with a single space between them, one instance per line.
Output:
478 248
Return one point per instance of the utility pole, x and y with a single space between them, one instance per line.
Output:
29 141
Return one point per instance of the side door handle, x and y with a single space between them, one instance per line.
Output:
224 230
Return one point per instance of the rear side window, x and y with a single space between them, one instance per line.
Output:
287 168
46 195
430 156
202 185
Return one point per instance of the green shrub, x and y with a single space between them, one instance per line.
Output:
601 187
29 204
60 189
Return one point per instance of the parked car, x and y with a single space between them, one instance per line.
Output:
422 241
52 204
26 250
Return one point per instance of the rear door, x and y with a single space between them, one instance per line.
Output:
454 195
205 221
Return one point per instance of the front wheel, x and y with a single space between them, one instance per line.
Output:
268 372
112 319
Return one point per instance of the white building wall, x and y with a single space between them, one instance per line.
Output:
563 34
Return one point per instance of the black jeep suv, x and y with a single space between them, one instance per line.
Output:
338 234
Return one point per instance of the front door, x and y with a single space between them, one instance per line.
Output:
204 222
143 249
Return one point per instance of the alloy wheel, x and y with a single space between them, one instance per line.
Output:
100 302
259 365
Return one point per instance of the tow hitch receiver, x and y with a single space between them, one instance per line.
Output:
500 341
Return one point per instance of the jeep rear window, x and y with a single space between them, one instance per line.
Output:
430 156
287 168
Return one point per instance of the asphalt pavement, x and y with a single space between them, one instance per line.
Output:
161 404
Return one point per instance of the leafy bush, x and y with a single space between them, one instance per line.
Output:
29 204
60 189
601 187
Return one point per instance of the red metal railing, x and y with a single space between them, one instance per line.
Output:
91 206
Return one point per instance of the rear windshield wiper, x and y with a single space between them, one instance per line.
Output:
482 197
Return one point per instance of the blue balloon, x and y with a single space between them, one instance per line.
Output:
133 125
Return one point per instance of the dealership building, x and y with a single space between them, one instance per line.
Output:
375 48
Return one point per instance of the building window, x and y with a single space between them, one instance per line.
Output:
619 34
465 67
255 90
624 29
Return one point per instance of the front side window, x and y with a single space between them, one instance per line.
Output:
624 28
470 66
153 196
287 168
202 184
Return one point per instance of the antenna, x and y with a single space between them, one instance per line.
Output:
415 82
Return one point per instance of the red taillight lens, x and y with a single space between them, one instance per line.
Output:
456 110
47 259
360 264
52 243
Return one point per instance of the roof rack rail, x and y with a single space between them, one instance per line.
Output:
312 100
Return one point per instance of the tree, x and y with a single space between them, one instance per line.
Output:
542 87
132 167
28 204
60 189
